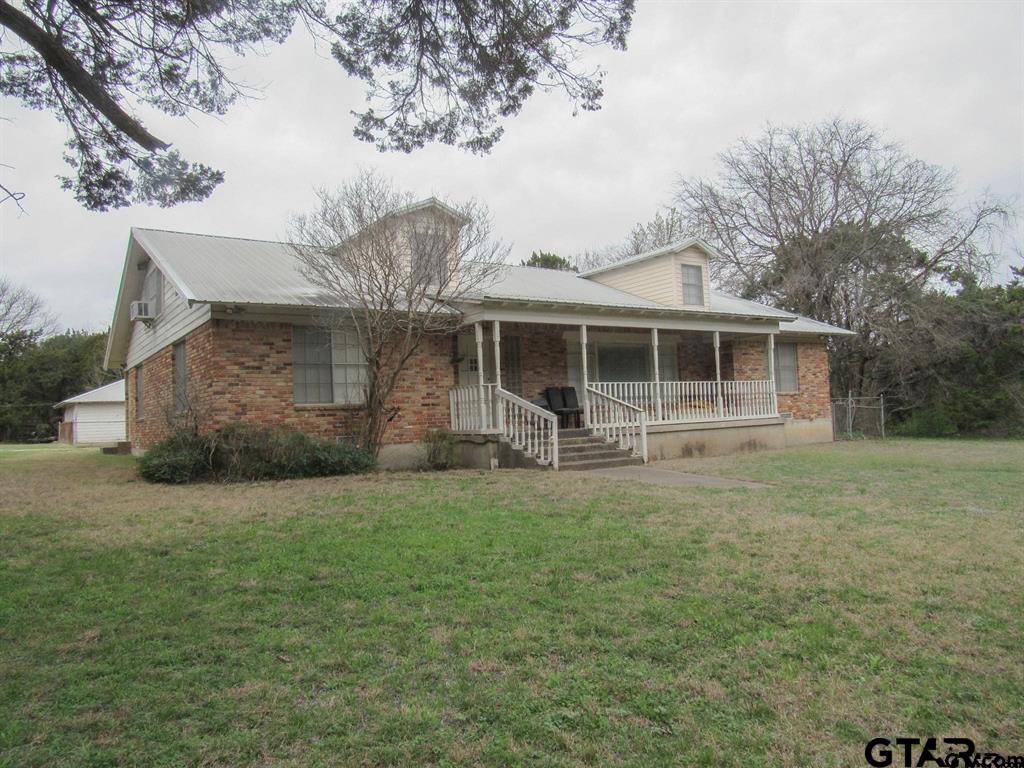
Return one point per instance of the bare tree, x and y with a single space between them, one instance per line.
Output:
22 311
834 222
797 183
394 271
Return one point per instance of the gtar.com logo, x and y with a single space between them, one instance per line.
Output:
912 752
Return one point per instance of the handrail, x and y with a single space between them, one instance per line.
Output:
694 401
466 411
527 426
617 421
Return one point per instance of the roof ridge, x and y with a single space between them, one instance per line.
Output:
206 234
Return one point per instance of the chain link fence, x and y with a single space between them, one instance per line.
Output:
858 418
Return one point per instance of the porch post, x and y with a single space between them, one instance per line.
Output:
497 353
717 341
479 330
657 375
771 373
583 373
499 418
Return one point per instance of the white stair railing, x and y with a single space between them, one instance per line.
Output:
527 427
617 421
467 415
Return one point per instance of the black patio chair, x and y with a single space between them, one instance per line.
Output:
572 404
556 404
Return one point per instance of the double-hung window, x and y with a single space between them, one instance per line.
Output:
328 366
693 285
152 290
787 375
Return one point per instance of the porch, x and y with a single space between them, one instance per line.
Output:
617 375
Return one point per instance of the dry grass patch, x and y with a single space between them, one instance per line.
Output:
506 618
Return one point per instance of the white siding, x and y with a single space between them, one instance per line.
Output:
97 423
659 279
176 319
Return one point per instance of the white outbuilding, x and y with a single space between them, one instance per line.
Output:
95 417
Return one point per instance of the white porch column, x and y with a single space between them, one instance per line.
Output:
479 330
499 417
657 375
583 374
717 341
771 373
497 353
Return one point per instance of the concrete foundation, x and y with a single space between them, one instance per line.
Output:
683 441
488 452
804 431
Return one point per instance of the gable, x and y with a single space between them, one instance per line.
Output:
659 276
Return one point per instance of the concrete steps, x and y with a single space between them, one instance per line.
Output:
579 450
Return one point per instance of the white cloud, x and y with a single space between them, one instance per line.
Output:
947 80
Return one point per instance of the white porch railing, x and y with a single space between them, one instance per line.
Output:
467 415
617 421
528 427
683 401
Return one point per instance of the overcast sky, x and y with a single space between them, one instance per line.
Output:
945 79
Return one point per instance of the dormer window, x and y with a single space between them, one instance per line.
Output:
693 285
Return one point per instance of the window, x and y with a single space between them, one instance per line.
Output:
140 409
511 364
693 285
152 290
787 377
329 367
180 378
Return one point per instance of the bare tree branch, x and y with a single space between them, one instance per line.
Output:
394 272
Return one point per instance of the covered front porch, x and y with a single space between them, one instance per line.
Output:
628 381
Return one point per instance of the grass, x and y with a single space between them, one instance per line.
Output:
508 618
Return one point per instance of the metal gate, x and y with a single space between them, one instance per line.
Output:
856 418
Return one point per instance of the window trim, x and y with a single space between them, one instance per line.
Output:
778 368
699 285
331 365
158 289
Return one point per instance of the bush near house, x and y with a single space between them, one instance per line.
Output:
243 452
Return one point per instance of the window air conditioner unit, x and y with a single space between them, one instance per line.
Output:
141 310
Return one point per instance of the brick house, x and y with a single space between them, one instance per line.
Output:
662 365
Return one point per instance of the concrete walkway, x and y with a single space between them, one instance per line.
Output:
669 477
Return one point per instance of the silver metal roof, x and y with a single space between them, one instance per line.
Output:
227 270
108 393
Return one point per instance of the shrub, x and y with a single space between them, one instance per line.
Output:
242 452
181 458
440 446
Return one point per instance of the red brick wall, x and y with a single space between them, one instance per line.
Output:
543 356
696 357
242 371
813 401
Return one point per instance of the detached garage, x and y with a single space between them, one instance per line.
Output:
95 417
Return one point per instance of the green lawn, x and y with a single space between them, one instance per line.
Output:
509 618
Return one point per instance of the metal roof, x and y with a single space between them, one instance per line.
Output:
232 270
551 285
210 268
108 393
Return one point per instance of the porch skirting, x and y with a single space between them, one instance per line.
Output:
682 441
